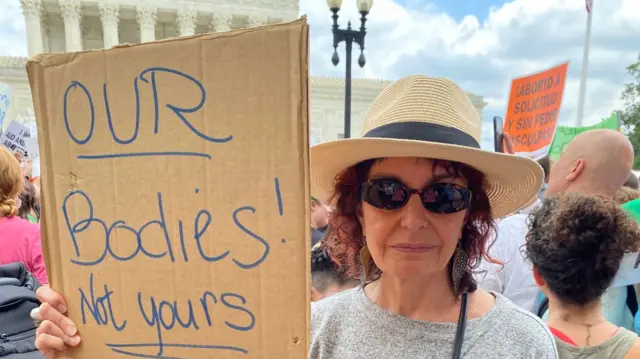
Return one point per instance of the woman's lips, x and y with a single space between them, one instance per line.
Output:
412 248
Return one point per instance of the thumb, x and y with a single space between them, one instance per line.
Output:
507 144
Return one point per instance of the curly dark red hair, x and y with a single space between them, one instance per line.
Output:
348 241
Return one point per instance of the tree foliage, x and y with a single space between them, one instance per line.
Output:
631 111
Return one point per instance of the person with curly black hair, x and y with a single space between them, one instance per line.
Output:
576 243
326 277
585 166
626 194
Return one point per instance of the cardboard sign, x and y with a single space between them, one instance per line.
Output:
175 193
565 134
6 95
532 113
16 139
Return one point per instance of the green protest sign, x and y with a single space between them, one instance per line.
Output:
564 134
633 209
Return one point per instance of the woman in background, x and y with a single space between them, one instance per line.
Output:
20 239
576 244
28 207
327 278
619 304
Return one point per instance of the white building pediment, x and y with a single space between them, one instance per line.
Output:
62 25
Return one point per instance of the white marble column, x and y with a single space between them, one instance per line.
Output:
72 15
44 33
221 22
110 16
186 21
147 21
255 21
32 11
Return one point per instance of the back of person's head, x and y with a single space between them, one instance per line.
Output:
626 194
11 183
545 163
28 201
596 162
632 181
576 243
319 213
327 278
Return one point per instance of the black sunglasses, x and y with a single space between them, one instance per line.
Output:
442 198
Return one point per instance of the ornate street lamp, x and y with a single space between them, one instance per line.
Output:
349 36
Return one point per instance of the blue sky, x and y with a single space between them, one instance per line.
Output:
480 44
483 44
457 9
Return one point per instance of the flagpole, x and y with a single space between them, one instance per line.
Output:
619 118
585 65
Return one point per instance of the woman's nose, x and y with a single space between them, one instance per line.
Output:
414 215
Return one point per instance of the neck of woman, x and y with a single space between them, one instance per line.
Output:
588 314
425 298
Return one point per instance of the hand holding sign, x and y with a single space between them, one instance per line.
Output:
507 144
55 332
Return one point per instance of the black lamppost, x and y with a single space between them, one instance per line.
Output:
349 36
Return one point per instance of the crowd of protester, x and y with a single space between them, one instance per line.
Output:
425 246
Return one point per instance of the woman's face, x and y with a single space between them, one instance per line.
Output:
411 241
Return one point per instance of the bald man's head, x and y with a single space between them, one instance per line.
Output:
596 162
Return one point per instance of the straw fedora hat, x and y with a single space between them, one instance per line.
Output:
420 116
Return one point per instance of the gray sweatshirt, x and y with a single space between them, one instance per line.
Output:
349 325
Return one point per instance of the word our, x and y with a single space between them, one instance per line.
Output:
76 91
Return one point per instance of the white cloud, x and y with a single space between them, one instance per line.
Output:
518 38
13 41
482 55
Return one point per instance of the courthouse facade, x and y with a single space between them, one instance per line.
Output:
74 25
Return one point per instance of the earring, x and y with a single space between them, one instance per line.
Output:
459 268
365 264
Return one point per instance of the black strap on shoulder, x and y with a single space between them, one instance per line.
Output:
632 303
632 300
462 326
544 306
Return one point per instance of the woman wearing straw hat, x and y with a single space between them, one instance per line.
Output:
414 203
418 298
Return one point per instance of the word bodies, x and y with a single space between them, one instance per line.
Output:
200 225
